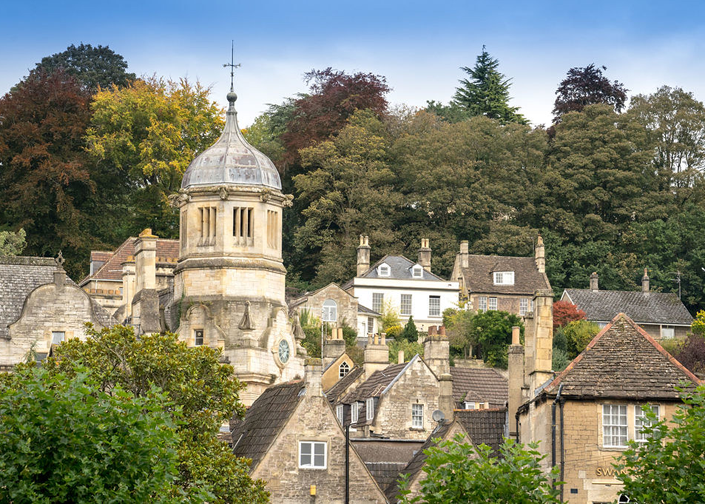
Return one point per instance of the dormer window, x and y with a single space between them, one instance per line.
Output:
417 271
504 278
384 270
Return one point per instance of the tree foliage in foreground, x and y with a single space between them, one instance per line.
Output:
668 468
457 471
66 440
203 392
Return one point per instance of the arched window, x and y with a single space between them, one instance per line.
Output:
329 313
343 370
623 499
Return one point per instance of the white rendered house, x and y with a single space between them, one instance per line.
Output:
407 286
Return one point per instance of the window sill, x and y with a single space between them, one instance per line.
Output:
416 429
614 448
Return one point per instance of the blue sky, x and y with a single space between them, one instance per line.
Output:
417 46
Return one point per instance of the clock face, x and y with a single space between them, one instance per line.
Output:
284 351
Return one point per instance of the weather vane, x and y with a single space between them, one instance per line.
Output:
232 65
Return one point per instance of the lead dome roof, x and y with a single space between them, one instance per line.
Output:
231 160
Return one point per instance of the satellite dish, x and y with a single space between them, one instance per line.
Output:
438 416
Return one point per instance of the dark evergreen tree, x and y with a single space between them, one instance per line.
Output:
487 91
410 333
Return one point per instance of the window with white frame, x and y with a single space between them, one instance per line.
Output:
343 370
329 312
417 271
492 303
57 337
434 306
354 412
405 304
340 413
377 301
614 425
370 408
504 278
370 325
384 270
640 421
312 454
468 405
668 332
523 306
482 303
417 416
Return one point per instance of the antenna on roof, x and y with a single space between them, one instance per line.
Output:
232 65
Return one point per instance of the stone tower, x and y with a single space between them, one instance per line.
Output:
229 281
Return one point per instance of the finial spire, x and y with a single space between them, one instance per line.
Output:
232 66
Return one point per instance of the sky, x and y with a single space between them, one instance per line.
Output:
418 46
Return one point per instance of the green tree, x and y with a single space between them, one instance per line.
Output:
94 67
12 244
578 335
66 440
587 86
486 92
147 134
668 468
410 333
457 471
698 325
203 392
491 334
458 323
409 348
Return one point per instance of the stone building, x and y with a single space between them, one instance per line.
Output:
660 314
479 388
597 405
229 280
298 447
500 282
41 307
408 287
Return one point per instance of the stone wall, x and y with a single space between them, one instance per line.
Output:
418 385
314 420
346 304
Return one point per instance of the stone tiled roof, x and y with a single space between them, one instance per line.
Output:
385 473
341 387
479 275
641 307
18 277
167 251
375 384
484 426
268 415
477 384
419 459
400 269
622 362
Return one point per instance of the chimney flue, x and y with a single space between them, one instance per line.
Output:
540 255
594 286
645 282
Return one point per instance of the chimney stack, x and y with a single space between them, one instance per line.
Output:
593 282
464 248
425 255
145 303
363 255
436 350
645 282
540 255
376 354
516 378
313 371
538 338
445 400
333 347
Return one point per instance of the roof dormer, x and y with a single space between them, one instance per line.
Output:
503 277
417 271
384 270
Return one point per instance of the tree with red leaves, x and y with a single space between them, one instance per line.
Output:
587 86
565 312
45 184
333 98
691 353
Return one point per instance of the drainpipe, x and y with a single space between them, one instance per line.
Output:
553 428
347 462
561 403
516 416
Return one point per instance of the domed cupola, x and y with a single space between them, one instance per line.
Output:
231 160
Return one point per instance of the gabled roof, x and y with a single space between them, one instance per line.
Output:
483 385
340 388
479 278
622 362
367 311
265 419
167 251
400 269
377 382
485 426
641 307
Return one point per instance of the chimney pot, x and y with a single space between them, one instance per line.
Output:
401 357
442 330
432 330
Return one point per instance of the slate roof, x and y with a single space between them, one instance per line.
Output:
19 276
641 307
340 388
484 426
479 278
622 362
419 459
400 269
367 311
479 385
167 251
268 415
